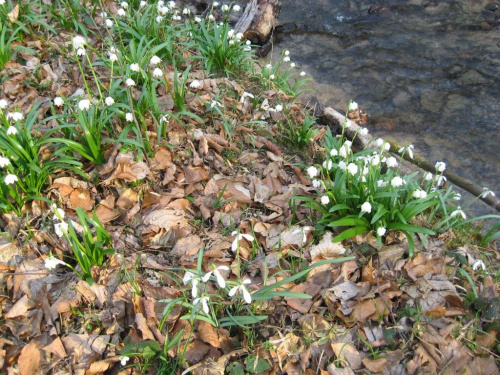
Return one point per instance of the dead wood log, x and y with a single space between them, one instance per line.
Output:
258 20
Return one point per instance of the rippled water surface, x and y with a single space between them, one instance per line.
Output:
427 73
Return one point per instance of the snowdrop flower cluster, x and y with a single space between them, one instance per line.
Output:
60 227
4 162
15 116
419 194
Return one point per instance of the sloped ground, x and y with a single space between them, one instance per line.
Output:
376 310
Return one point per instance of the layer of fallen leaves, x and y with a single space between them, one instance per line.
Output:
382 313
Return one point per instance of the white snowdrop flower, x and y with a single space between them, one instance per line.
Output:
287 53
239 36
342 165
419 194
316 183
135 67
159 19
142 4
78 42
124 359
239 236
353 106
84 104
304 233
59 214
325 200
190 277
302 74
3 103
109 101
486 192
177 18
11 130
15 116
2 2
129 117
441 180
80 51
364 171
366 207
112 49
408 149
10 179
109 22
381 183
197 19
236 8
204 303
457 212
344 151
211 17
248 42
312 171
217 274
241 288
397 181
391 162
347 124
230 33
4 161
376 160
61 228
215 4
352 168
124 4
387 146
363 131
58 101
457 196
268 66
428 176
186 11
52 262
113 57
215 103
478 264
381 231
279 108
225 8
379 142
292 65
231 42
121 12
440 166
246 95
334 152
103 14
163 10
195 84
286 59
328 164
157 73
272 76
130 82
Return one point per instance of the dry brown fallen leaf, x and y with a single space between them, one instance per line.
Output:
375 365
347 353
326 249
29 360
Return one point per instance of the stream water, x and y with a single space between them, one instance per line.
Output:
427 73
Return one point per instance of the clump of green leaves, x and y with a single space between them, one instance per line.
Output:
90 246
